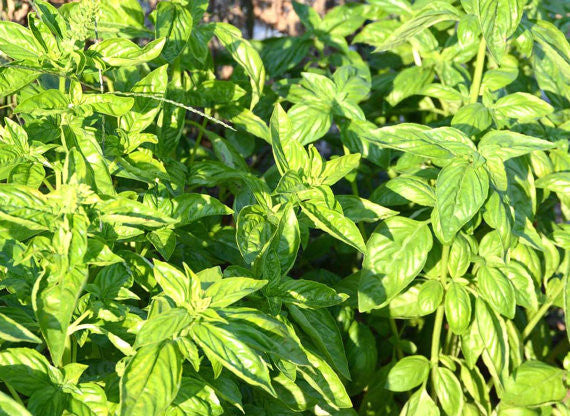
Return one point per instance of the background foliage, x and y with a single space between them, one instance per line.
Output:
369 218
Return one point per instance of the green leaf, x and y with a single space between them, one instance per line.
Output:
420 404
556 182
334 223
224 292
498 20
57 291
25 369
145 109
188 208
472 119
457 308
460 191
497 290
339 167
233 354
408 373
9 407
174 23
110 104
320 326
163 326
13 79
321 377
173 282
507 144
151 380
362 210
534 383
413 188
492 339
424 18
264 333
307 294
400 238
12 331
245 55
196 398
17 42
448 390
522 106
123 52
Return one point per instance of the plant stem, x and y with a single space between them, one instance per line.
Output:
439 313
199 138
478 74
541 312
394 329
14 394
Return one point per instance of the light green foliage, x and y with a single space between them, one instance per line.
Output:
370 218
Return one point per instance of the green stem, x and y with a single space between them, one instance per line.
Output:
199 138
14 394
478 74
394 329
541 312
435 340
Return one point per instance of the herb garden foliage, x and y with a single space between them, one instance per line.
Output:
157 262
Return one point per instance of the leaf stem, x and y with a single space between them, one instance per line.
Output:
394 329
478 74
541 311
14 394
435 340
199 138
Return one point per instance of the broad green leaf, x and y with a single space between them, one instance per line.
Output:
321 377
9 407
362 210
233 354
173 282
413 188
57 291
17 42
307 294
334 223
507 144
448 390
224 292
245 55
123 52
426 17
472 119
264 333
196 398
457 308
113 105
534 383
400 238
460 191
151 380
320 326
337 168
497 290
13 79
493 340
253 232
163 326
12 331
145 109
498 20
522 106
25 369
557 182
408 373
174 23
190 207
420 404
